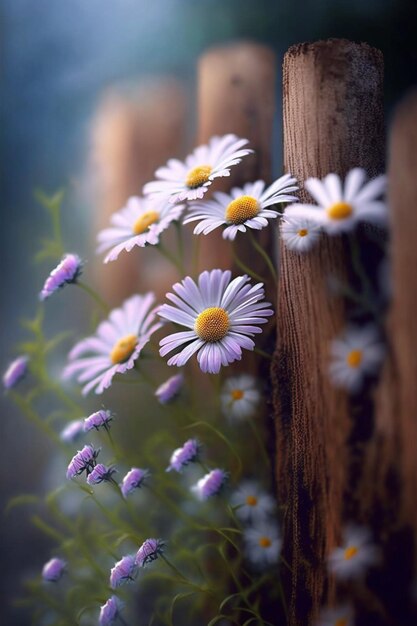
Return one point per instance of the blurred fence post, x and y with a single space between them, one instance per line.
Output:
333 121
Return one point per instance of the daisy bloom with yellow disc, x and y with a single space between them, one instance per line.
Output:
356 554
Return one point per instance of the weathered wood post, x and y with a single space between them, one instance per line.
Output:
333 121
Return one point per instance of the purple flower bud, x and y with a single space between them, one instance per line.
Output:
184 455
72 431
109 611
15 372
210 484
96 420
149 551
67 271
134 479
170 388
53 570
85 459
99 474
123 571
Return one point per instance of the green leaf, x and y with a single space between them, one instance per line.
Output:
23 499
175 599
47 528
226 600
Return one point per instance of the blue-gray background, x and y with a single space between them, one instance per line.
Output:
57 57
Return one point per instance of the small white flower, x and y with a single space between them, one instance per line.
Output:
139 223
263 543
240 397
253 503
191 179
336 616
339 208
356 555
299 233
354 355
242 208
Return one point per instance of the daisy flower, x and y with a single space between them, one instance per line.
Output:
220 314
139 223
149 551
355 556
252 502
189 180
116 345
83 460
66 272
123 571
110 611
210 485
97 420
100 473
170 389
72 431
134 479
299 233
240 397
242 208
188 453
340 207
263 543
15 372
336 616
354 355
53 570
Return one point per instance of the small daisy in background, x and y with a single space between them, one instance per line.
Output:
110 611
99 474
252 502
220 314
124 571
240 397
355 355
72 431
189 180
263 543
181 457
341 207
97 420
65 273
116 345
356 555
139 223
15 372
134 479
170 389
242 208
336 616
149 551
299 233
53 570
210 484
84 460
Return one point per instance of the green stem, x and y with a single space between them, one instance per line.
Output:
260 441
180 241
262 353
183 578
93 295
37 420
264 255
245 268
171 258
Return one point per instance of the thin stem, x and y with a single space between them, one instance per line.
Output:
264 255
180 241
262 353
260 441
245 268
184 579
93 295
171 258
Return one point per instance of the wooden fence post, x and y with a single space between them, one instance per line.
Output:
333 121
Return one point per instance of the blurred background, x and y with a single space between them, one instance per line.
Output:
86 86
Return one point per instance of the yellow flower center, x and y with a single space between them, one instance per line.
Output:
251 500
242 209
144 221
342 621
237 394
123 348
212 324
350 552
354 358
265 542
302 232
198 176
340 211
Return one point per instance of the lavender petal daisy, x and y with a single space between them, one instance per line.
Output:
189 180
220 314
53 570
15 372
170 389
210 485
134 479
149 551
83 460
181 457
97 420
123 571
244 208
139 223
110 611
356 555
116 345
263 543
335 616
99 474
72 431
66 272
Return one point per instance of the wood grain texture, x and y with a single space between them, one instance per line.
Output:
333 121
